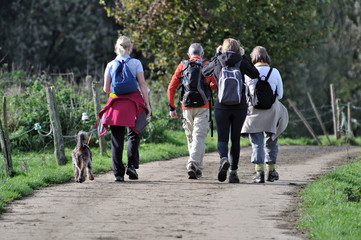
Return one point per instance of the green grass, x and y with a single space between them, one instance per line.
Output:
310 141
327 211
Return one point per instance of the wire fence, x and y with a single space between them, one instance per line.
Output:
72 105
326 113
37 128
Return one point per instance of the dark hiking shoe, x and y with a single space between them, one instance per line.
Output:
259 178
192 172
223 168
199 173
233 178
119 179
272 176
132 173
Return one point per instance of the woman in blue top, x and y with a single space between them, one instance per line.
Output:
121 113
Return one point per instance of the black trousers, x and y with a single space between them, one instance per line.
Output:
229 122
117 136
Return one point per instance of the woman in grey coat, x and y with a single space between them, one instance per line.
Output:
263 126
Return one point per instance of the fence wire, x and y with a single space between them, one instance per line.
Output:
324 109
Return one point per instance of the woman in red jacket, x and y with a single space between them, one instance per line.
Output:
123 110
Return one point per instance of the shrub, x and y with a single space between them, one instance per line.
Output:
27 106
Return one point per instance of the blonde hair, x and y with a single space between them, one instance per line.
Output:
233 45
122 45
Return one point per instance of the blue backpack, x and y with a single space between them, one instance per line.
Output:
123 81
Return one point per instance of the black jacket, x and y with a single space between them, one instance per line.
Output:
230 59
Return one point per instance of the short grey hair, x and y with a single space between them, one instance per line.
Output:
259 54
195 49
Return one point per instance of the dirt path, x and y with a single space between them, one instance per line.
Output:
164 204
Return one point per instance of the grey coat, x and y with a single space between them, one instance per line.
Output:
273 120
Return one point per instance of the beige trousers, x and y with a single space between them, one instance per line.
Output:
196 126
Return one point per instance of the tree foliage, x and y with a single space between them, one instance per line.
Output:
164 29
55 34
336 60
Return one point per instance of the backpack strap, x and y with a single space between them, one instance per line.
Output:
210 102
181 86
266 79
125 61
185 65
269 74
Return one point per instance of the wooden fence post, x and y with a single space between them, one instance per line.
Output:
319 118
88 83
338 117
5 143
97 108
334 116
349 127
56 126
6 134
304 121
4 149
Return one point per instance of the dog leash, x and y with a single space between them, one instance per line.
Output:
91 133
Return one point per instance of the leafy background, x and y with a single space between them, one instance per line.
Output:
313 43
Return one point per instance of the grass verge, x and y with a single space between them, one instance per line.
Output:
330 206
344 140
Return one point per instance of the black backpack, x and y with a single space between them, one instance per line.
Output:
263 97
195 92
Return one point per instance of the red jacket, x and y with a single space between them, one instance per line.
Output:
121 110
177 79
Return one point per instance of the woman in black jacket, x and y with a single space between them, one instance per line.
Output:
229 118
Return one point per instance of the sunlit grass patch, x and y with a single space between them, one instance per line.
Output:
327 211
343 140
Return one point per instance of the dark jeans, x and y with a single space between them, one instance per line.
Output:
229 121
117 134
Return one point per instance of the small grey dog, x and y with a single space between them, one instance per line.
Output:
82 158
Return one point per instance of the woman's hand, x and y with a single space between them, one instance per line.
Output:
219 49
149 111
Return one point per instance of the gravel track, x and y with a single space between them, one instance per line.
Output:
165 204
